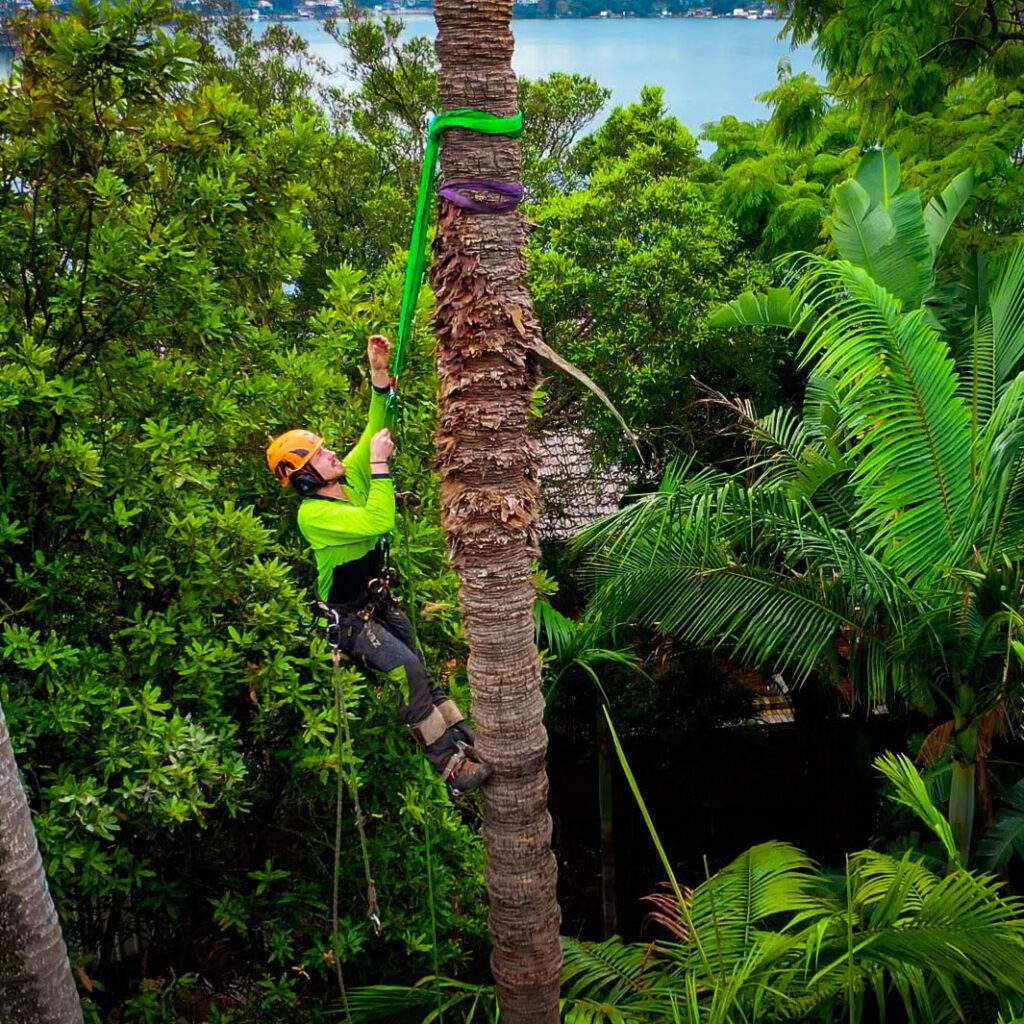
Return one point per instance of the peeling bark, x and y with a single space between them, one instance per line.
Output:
486 330
36 986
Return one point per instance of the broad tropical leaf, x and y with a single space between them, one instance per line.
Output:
942 210
883 232
775 308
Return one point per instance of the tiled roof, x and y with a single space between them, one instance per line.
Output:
576 492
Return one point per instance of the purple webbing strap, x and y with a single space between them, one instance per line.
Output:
459 192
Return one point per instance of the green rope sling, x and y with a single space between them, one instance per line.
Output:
473 120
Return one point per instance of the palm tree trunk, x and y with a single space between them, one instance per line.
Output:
489 496
36 986
961 806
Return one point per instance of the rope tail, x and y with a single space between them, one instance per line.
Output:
338 806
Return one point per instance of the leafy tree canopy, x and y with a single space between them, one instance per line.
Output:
169 705
625 270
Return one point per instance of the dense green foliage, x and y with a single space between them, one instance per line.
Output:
173 719
625 271
197 232
875 538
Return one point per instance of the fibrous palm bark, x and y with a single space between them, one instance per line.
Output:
36 986
485 329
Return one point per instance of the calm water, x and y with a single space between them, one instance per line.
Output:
708 68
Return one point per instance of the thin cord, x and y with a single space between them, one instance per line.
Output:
433 915
338 803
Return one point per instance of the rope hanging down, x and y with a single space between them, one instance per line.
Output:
456 192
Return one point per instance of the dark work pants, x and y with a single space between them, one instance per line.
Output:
384 643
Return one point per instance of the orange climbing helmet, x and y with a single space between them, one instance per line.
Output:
291 451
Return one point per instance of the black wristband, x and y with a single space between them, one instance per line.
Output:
380 476
381 391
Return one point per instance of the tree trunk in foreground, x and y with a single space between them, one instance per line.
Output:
489 495
36 986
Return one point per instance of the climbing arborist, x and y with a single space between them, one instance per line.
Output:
347 510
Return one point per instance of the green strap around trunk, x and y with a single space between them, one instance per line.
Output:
476 121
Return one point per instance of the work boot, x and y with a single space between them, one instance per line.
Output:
465 773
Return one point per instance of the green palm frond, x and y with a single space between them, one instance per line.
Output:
729 908
580 644
1004 838
430 1001
614 969
713 570
884 888
824 470
556 632
976 368
963 929
775 441
910 791
910 436
590 1011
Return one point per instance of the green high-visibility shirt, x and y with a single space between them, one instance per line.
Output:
345 532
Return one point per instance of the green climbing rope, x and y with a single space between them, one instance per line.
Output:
346 752
473 120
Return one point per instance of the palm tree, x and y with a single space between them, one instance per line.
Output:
880 536
582 645
773 937
36 986
485 329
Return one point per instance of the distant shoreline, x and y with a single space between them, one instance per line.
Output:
420 13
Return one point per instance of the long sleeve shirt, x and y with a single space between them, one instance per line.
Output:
345 533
